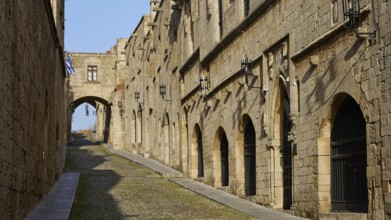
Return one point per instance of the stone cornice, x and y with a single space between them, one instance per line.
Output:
326 36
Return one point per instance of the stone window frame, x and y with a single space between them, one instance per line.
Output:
92 73
246 7
334 9
221 17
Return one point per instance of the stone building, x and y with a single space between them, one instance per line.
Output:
99 81
32 98
284 103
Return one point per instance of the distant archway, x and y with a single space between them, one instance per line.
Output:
103 114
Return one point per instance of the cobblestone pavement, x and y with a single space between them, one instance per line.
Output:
112 187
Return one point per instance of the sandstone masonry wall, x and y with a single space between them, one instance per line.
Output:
32 121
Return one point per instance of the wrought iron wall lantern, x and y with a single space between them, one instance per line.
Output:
137 96
121 109
87 112
72 107
351 13
204 85
246 68
163 92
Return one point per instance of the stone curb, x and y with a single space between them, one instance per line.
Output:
57 204
233 201
159 168
207 191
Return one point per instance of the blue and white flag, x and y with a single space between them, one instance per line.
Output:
68 66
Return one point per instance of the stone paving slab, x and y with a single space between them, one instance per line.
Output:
206 190
57 204
147 162
233 201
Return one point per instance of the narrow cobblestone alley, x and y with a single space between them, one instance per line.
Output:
112 187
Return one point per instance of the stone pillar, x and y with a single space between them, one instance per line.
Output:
118 122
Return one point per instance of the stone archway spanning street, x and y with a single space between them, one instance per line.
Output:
98 81
103 114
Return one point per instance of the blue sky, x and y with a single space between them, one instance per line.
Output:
93 26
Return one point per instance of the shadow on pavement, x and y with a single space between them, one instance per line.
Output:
93 200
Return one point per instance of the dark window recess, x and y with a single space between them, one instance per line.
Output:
221 17
348 160
224 160
287 159
200 155
246 7
249 160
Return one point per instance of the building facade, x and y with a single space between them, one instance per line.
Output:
279 102
98 80
32 109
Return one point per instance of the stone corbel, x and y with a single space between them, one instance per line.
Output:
272 144
285 49
270 59
209 6
209 103
314 60
291 136
228 89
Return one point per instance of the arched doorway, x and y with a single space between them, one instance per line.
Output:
287 156
224 159
220 159
166 139
101 115
139 125
349 159
133 126
249 159
184 142
197 158
282 157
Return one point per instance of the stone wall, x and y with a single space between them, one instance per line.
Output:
184 88
32 121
